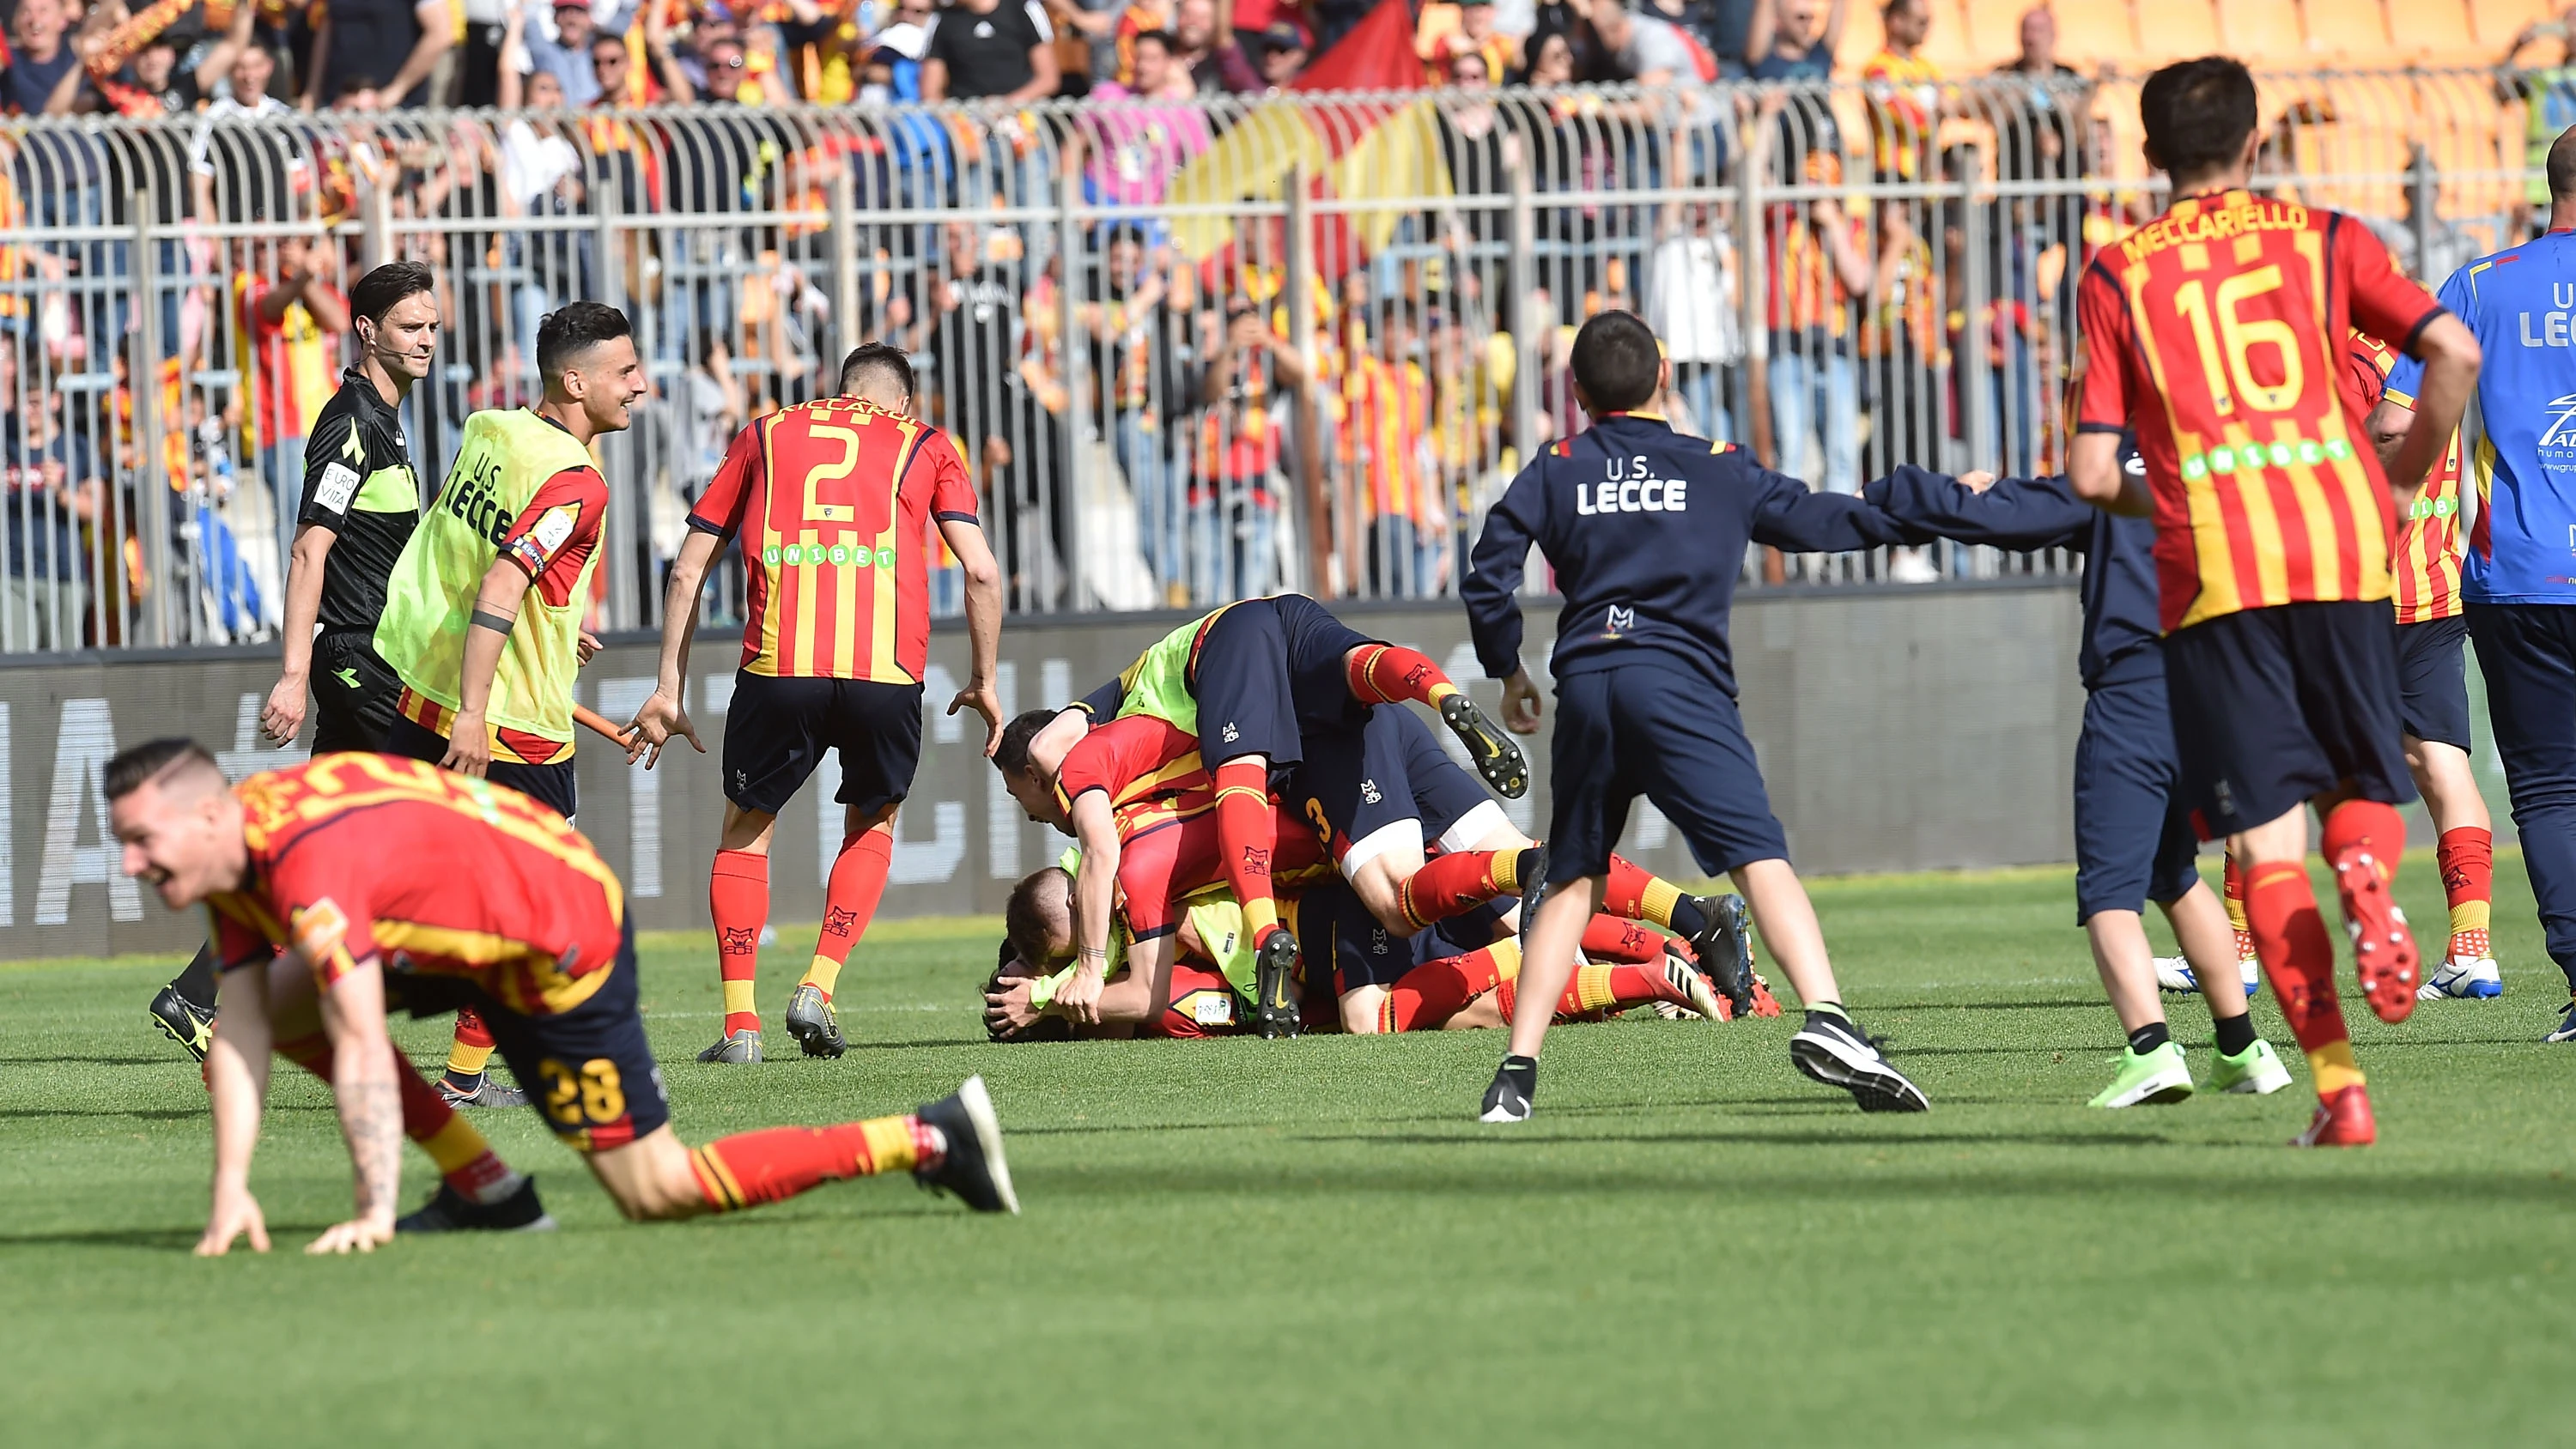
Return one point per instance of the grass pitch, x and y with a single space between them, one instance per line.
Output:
1313 1242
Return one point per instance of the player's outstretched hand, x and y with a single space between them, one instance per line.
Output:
1520 704
469 746
235 1215
656 721
357 1235
981 699
588 646
283 717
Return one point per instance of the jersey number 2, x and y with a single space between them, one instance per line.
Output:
816 510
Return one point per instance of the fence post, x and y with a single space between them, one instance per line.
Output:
845 258
1752 290
1523 280
1297 276
1975 383
152 480
376 227
1081 478
2422 190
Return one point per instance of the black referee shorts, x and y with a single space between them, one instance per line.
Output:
778 727
354 693
2274 706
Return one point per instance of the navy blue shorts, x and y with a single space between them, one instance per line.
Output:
2433 680
1353 785
2133 837
552 786
777 729
1333 927
1267 673
2274 706
1664 733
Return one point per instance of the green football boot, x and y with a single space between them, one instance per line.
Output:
2160 1076
2255 1071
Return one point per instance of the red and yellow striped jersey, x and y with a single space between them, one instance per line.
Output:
2429 539
1148 767
2217 333
355 856
833 501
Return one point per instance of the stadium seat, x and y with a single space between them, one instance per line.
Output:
2269 35
2093 32
2354 35
2493 23
2178 30
1993 28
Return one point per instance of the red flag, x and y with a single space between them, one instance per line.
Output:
1376 55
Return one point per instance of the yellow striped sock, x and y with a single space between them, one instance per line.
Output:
2332 1067
1507 959
1259 915
455 1145
1592 987
1440 693
467 1061
1658 899
1506 873
823 972
890 1145
738 996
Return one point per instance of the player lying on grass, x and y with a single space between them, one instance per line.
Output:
1646 529
324 915
2134 840
1246 686
833 502
1629 966
2273 522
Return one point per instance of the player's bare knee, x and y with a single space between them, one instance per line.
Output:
1363 1009
747 830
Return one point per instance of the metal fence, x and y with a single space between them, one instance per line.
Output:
1192 351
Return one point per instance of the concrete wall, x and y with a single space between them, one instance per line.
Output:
1899 729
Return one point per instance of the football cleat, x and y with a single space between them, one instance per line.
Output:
1831 1050
485 1092
972 1167
2566 1026
1725 948
2342 1120
1764 1003
2383 950
2175 977
2253 1072
813 1022
1504 1100
1685 978
1533 891
1488 749
2160 1076
1274 983
450 1211
183 1021
741 1048
2477 980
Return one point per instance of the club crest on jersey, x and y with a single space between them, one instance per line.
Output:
1622 619
1630 485
1370 794
1230 734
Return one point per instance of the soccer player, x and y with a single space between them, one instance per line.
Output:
321 910
2515 581
1646 529
2134 840
483 616
2433 676
1249 683
360 503
2215 334
833 500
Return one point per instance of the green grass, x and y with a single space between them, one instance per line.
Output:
1311 1242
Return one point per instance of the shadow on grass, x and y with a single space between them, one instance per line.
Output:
148 1114
1765 1139
57 1059
2060 1004
156 1240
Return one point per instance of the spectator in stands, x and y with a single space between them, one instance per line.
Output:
2450 249
713 409
1214 58
1252 22
44 75
1618 44
1818 265
1449 29
290 322
1143 379
541 176
1332 19
1128 154
53 487
1283 55
565 54
1236 486
990 50
394 44
1694 307
621 81
1794 40
241 174
2548 97
1906 98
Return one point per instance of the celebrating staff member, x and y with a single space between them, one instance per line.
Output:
832 500
360 503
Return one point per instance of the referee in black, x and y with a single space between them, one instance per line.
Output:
360 503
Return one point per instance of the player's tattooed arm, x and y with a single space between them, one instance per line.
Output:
1095 899
370 1106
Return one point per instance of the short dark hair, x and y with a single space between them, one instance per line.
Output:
2562 165
1617 362
1170 43
132 769
378 291
1012 755
2197 114
354 82
883 358
1028 916
574 329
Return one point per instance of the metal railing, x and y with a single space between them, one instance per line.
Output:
1192 350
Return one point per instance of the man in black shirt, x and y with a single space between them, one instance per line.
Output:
997 49
394 42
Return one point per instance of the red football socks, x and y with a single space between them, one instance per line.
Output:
1449 884
1387 673
465 1159
776 1163
1608 938
471 1049
2233 893
2297 954
850 902
1247 834
2467 859
738 897
1638 893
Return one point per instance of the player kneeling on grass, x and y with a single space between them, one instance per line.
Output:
319 904
1646 529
